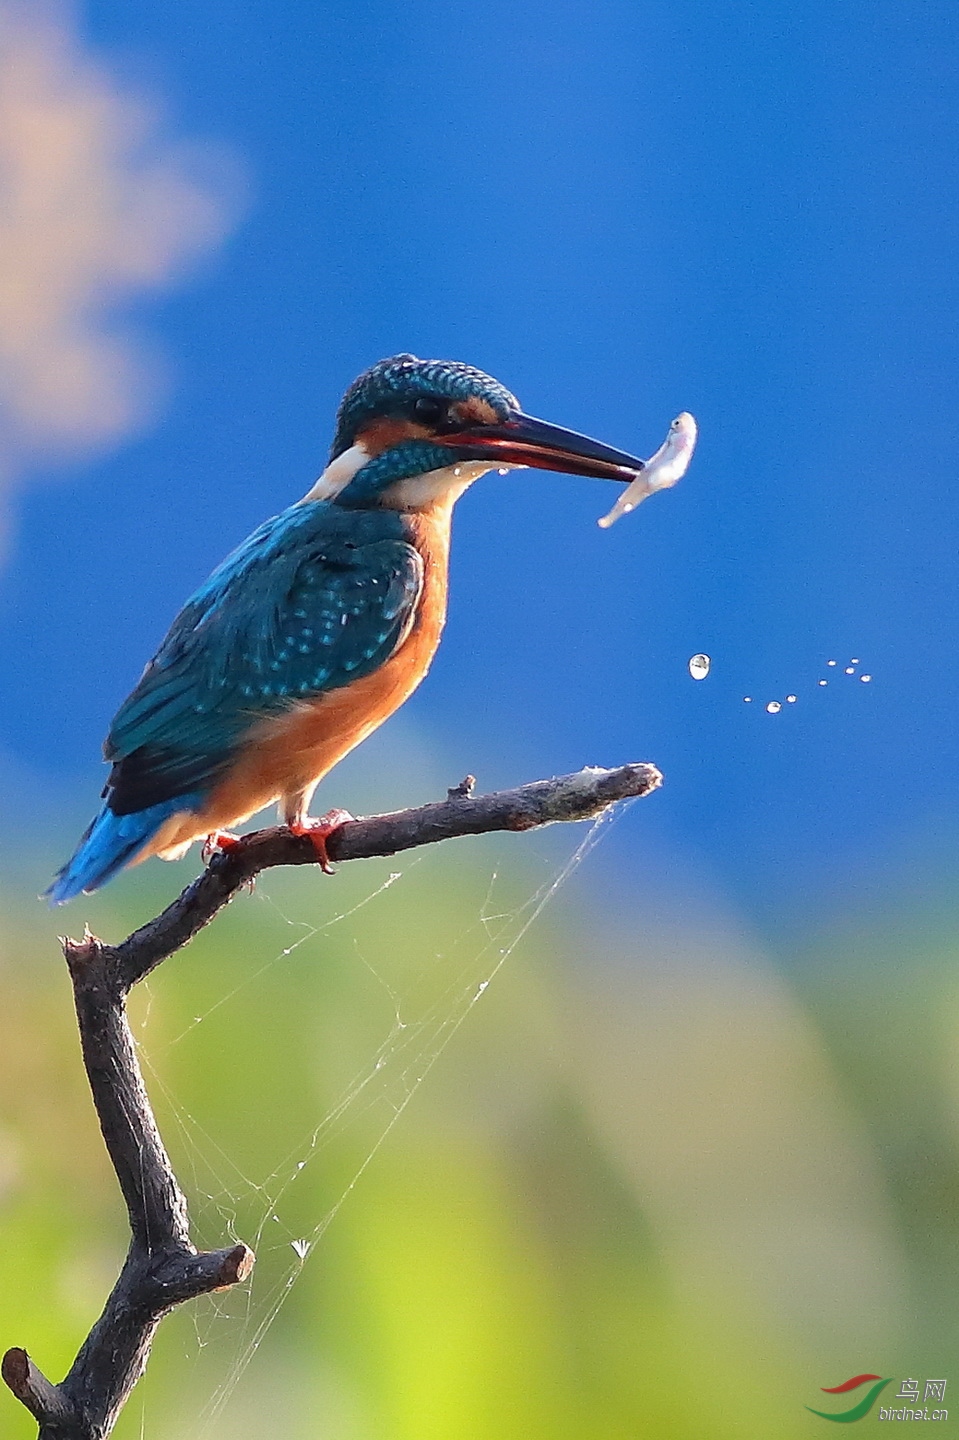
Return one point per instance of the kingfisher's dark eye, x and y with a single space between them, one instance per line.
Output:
429 410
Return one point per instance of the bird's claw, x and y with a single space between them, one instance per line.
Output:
318 833
216 842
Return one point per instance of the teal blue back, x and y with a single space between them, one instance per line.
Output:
314 599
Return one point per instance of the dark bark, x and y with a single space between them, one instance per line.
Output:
162 1268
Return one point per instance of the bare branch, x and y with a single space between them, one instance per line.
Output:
163 1268
580 796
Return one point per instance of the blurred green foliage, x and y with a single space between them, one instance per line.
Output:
651 1189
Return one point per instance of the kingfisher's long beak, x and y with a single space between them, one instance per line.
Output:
521 440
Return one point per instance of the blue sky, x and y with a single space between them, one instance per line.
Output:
621 211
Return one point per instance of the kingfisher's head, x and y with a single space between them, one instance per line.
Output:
413 434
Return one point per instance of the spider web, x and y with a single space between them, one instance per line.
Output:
416 1035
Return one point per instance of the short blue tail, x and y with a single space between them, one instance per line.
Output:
110 842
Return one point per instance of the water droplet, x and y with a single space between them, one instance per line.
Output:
790 699
830 662
481 986
854 661
865 679
457 470
301 1248
503 470
300 1164
773 708
699 666
747 699
824 682
850 670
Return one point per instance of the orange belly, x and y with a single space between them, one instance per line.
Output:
288 754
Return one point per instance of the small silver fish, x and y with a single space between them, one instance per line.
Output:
661 470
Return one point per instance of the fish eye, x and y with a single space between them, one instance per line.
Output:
675 424
429 409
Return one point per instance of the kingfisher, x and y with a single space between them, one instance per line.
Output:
319 626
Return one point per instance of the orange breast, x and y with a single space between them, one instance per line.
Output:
290 753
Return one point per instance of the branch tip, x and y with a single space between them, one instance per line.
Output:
32 1388
80 953
237 1266
15 1368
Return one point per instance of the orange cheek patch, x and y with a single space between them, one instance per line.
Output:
389 430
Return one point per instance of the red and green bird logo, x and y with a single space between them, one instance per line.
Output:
862 1407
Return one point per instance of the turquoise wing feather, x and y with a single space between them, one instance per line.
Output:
313 600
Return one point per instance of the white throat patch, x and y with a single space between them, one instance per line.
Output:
436 487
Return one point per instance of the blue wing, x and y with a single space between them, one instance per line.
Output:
313 600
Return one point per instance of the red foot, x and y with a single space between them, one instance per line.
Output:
216 841
319 831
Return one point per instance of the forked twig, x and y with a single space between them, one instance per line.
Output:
163 1268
